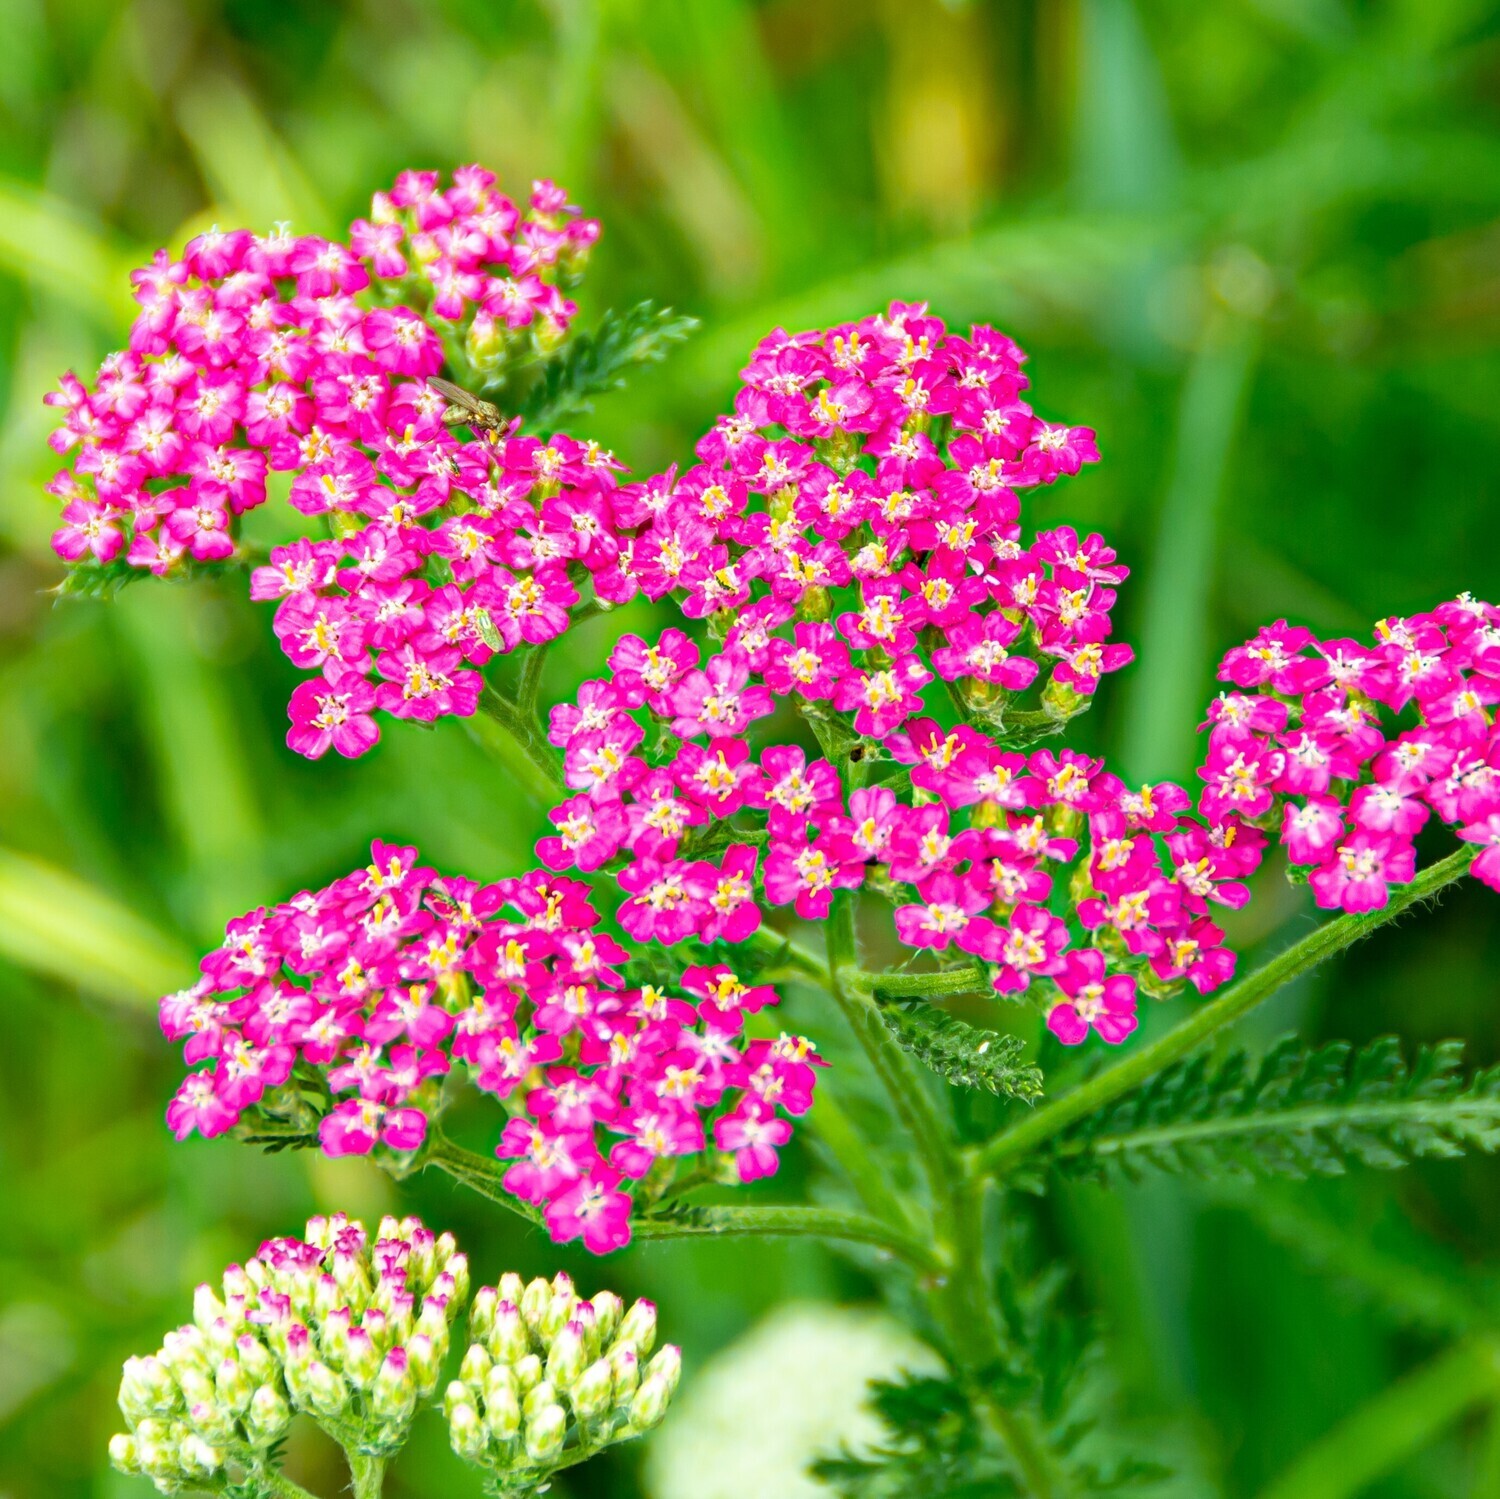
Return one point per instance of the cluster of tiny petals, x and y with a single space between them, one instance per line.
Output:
868 476
1013 859
1347 748
344 1009
401 614
920 523
283 353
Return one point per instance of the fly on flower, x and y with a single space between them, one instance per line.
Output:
466 410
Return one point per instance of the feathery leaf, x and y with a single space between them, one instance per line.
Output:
594 362
1299 1112
962 1053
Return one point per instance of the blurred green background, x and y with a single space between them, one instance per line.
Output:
1255 243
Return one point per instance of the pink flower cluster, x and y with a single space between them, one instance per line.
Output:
255 355
422 607
896 490
1349 748
867 480
344 1008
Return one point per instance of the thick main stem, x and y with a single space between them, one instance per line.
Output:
284 1487
1332 937
368 1475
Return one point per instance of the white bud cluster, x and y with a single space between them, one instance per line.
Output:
350 1330
550 1378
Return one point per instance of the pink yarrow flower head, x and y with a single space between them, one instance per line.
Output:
393 983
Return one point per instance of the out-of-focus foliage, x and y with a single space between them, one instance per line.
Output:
1255 243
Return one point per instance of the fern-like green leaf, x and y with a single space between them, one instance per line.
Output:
963 1053
1299 1112
594 362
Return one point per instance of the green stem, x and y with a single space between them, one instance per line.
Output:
1397 1423
964 1304
478 1173
500 727
1022 1138
530 684
279 1483
368 1474
906 1090
790 1222
944 984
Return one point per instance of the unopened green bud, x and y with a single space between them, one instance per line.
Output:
567 1355
1060 700
638 1327
476 1363
211 1421
425 1360
268 1417
625 1368
433 1320
482 1312
122 1453
233 1386
393 1395
509 1339
199 1458
255 1358
500 1382
378 1326
458 1267
459 1392
207 1308
502 1414
535 1300
185 1349
156 1448
147 1388
545 1432
593 1391
667 1365
361 1358
528 1372
326 1297
558 1314
817 604
538 1397
608 1310
512 1288
466 1433
326 1392
353 1280
649 1404
197 1388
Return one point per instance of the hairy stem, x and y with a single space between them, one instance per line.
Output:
479 1173
367 1473
518 743
280 1484
963 1303
530 685
1397 1423
1022 1138
790 1222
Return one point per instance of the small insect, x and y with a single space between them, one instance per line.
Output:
465 410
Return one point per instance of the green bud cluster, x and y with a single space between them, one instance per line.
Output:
549 1379
351 1330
